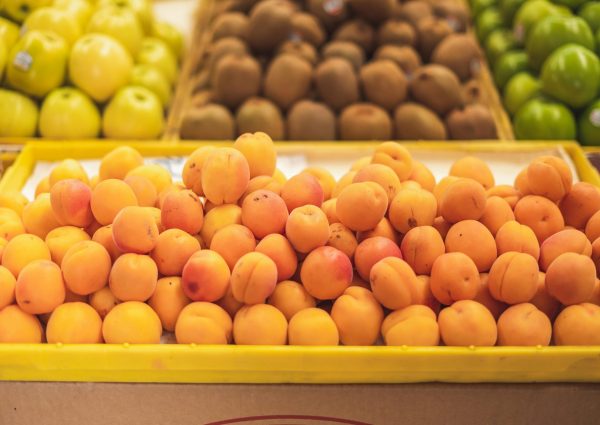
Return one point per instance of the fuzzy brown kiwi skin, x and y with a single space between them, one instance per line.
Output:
301 49
336 83
329 18
346 50
396 32
373 11
436 87
383 83
308 28
288 79
364 121
208 122
405 57
472 92
309 120
357 31
230 24
430 32
413 11
260 114
222 48
472 122
460 53
270 24
236 78
455 13
416 122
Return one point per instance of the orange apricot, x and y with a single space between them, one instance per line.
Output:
395 156
384 228
473 239
264 212
133 277
312 326
543 300
381 174
423 294
342 238
203 323
541 215
513 278
344 181
262 183
568 240
473 168
578 324
279 176
281 251
358 316
42 187
259 150
7 287
135 230
580 204
259 324
420 247
168 300
103 301
302 189
484 297
466 323
307 228
393 283
516 237
173 187
68 169
464 199
22 250
422 175
143 189
40 287
229 303
524 325
192 169
454 277
118 162
74 323
205 276
329 208
360 163
173 249
10 223
442 226
104 237
85 267
38 216
109 197
326 273
70 200
158 175
253 278
132 322
232 242
415 325
182 210
325 179
59 241
497 212
225 176
550 177
412 208
571 278
370 251
217 218
442 186
19 327
509 193
13 200
360 206
290 297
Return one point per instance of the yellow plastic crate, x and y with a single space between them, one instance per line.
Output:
193 363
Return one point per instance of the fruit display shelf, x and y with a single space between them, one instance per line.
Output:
191 363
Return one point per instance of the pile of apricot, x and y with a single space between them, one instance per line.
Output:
237 253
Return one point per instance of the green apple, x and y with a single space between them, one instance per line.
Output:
37 63
18 10
591 13
81 10
155 52
508 9
54 20
120 23
529 14
170 35
541 119
99 65
133 113
68 113
18 115
487 21
142 8
521 88
555 31
509 64
150 77
598 42
571 4
498 42
9 32
589 124
571 74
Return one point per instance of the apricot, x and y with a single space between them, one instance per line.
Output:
229 303
326 273
381 174
516 237
384 228
396 157
157 174
454 277
312 326
420 247
568 240
203 323
217 218
10 223
173 249
13 200
232 242
103 301
571 278
172 188
393 283
464 199
423 294
509 193
473 239
580 204
132 322
68 169
484 297
370 251
42 187
442 226
74 323
253 278
262 183
473 168
108 198
168 300
290 297
302 189
182 210
92 228
415 325
143 189
550 177
358 316
3 243
59 241
70 200
595 297
225 176
412 208
104 237
281 251
307 228
543 300
540 214
440 188
259 151
22 250
342 238
341 184
513 278
497 212
38 216
259 324
205 276
40 287
133 277
118 162
85 267
192 169
360 163
7 287
279 176
19 327
135 230
360 206
264 212
578 324
325 179
422 175
466 323
592 228
329 208
524 325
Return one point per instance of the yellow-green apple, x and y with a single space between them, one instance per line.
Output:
150 77
18 10
142 8
170 35
133 113
3 55
156 52
9 32
37 63
81 10
54 20
18 114
120 23
99 65
68 113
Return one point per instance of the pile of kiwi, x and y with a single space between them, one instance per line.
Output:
340 69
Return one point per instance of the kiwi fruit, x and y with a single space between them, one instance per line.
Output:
460 53
454 12
416 122
396 32
413 11
383 83
405 57
287 80
230 24
308 28
348 50
208 122
436 87
222 48
373 11
357 31
471 122
365 121
309 120
244 5
472 92
270 24
336 83
237 77
201 98
259 114
301 49
329 13
430 31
